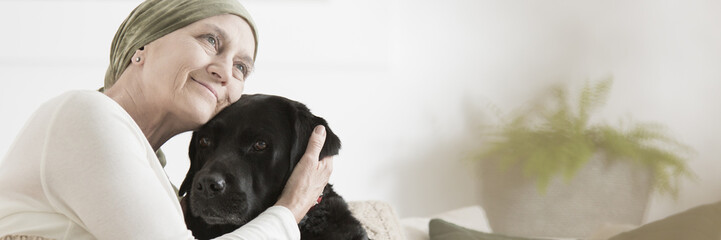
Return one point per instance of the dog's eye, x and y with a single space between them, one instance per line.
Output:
260 145
204 142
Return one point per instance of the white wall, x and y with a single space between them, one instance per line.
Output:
402 81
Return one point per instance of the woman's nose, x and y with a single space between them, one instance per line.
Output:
221 71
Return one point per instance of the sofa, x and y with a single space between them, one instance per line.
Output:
470 223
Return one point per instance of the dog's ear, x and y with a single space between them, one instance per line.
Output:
188 181
304 123
331 146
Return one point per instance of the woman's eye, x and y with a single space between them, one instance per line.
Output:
204 142
211 40
260 146
240 67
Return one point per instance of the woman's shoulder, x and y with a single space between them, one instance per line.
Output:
84 103
91 118
86 109
83 99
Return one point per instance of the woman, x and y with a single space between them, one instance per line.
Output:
84 166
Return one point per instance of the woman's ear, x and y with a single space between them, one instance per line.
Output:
139 56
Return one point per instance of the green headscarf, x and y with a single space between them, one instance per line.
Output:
153 19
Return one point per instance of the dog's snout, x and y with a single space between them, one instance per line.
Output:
210 185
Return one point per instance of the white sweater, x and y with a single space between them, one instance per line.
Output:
81 168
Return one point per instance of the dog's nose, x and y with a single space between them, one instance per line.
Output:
210 185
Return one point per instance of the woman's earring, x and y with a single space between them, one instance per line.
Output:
137 59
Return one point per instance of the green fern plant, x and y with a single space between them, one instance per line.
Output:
555 138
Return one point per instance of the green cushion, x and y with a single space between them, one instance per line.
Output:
699 223
442 230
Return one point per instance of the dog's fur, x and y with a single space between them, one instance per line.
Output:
240 161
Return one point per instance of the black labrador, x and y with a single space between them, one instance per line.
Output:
240 161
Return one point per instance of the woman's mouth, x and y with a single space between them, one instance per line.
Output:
210 89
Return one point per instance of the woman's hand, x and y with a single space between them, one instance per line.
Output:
308 179
183 205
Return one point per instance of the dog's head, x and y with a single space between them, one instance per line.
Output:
241 159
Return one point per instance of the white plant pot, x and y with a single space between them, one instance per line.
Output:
601 192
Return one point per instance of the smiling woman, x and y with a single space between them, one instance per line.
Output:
190 85
85 165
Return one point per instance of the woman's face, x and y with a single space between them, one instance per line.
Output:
196 71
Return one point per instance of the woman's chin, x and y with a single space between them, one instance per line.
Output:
199 115
203 118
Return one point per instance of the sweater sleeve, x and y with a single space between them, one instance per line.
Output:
275 223
98 169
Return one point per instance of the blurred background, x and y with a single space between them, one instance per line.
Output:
406 84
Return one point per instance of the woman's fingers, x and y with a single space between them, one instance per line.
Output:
315 143
309 177
183 204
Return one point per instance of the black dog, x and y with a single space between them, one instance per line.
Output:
240 161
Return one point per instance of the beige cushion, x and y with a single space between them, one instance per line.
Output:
698 223
378 218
